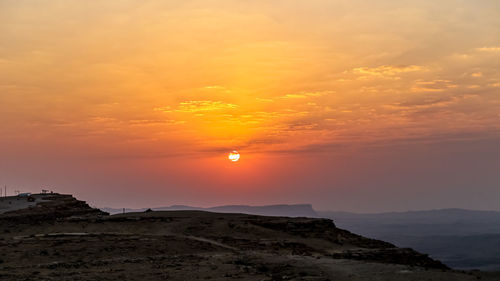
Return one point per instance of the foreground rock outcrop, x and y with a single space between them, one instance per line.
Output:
65 239
48 207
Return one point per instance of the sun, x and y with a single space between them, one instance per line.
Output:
234 156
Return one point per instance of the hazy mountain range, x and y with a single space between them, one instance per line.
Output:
462 239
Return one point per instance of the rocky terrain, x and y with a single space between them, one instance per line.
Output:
61 238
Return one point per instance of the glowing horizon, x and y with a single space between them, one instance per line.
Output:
138 85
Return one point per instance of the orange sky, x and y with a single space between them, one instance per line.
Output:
106 96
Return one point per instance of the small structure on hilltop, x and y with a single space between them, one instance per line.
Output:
46 192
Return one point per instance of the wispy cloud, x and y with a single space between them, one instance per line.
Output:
387 70
306 95
264 100
438 85
488 49
196 106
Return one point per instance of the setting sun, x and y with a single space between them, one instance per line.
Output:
234 156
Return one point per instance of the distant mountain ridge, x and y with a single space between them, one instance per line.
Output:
423 214
281 210
430 222
463 239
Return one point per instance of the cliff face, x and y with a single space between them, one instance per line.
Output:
63 237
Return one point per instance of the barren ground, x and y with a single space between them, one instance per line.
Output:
195 245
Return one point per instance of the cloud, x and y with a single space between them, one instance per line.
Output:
152 122
215 87
432 110
422 104
488 49
306 95
294 96
438 85
196 106
264 100
387 70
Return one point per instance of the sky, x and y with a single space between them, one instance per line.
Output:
364 106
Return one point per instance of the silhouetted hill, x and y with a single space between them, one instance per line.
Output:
296 210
